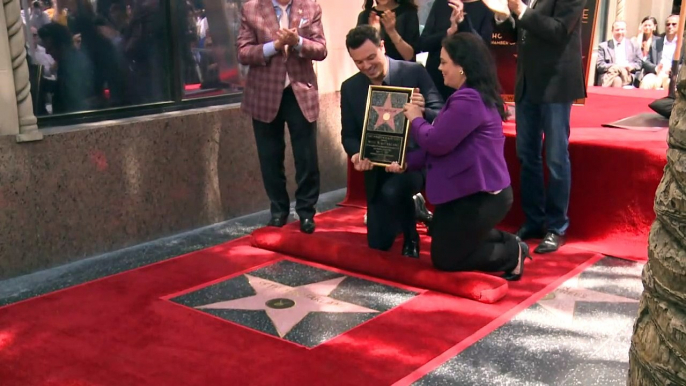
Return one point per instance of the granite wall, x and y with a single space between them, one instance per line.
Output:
94 188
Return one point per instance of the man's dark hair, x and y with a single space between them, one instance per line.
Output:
470 52
360 34
59 35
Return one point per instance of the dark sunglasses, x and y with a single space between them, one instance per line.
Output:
671 24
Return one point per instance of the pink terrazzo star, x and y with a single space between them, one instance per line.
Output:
286 306
562 301
386 114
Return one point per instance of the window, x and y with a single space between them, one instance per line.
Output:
99 59
207 52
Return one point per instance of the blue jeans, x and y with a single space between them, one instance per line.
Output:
544 208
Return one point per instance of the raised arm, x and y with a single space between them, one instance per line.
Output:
463 115
433 34
556 28
313 46
407 43
431 37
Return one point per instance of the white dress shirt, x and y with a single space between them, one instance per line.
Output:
620 51
668 53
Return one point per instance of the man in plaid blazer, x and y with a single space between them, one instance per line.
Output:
278 40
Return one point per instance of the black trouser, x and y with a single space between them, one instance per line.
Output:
464 238
271 148
391 210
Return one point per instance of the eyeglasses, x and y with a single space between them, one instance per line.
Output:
671 24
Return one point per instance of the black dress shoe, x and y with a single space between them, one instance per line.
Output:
551 243
518 271
525 233
307 225
277 221
411 247
421 212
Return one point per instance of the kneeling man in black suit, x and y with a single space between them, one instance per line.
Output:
390 207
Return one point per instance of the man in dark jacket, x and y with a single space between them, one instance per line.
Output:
549 79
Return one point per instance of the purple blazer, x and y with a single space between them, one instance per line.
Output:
463 150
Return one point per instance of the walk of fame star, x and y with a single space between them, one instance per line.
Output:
562 301
295 302
286 306
386 115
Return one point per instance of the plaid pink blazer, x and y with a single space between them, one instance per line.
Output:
264 86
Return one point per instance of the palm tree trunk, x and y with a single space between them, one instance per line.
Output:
658 346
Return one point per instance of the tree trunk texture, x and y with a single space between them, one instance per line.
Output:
658 346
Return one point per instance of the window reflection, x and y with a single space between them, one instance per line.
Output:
87 55
208 55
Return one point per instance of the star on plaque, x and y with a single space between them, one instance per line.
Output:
294 302
562 301
286 306
386 116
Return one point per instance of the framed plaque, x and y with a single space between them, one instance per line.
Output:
385 132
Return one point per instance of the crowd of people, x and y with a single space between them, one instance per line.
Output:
89 55
456 141
642 61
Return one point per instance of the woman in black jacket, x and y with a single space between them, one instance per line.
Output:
398 23
476 18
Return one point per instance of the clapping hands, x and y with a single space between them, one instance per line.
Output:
387 18
286 37
457 15
516 6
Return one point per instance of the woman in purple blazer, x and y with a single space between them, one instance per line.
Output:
467 177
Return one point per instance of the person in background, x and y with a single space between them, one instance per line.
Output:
448 17
390 207
282 88
657 75
38 17
73 88
467 176
618 59
646 30
549 80
398 23
649 43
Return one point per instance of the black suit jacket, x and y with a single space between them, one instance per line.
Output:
654 56
549 57
354 101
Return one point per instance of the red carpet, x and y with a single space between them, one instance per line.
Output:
341 242
120 331
614 175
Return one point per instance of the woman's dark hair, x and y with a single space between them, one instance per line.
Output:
369 4
469 51
654 20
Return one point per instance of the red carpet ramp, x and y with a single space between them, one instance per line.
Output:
124 330
384 265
